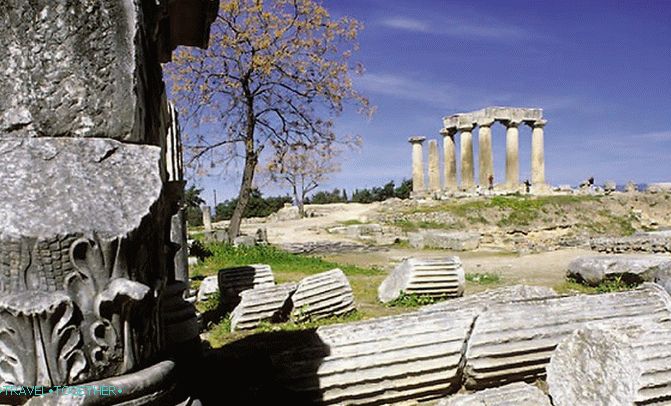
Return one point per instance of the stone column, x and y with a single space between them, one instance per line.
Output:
512 154
207 217
467 168
537 153
486 159
449 154
417 164
434 166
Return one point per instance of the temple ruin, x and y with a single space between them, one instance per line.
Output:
463 124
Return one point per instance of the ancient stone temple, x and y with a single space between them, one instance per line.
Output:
463 124
90 191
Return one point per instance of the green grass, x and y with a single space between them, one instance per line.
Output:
483 278
352 222
571 286
513 210
412 300
289 267
226 255
221 334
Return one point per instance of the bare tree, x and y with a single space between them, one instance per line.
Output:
304 169
275 75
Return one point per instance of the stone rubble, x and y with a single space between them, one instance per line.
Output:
322 295
431 277
612 365
514 394
592 270
448 240
514 342
262 304
634 243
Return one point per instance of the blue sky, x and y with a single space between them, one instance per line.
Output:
601 70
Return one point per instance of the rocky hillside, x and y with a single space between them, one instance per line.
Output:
536 223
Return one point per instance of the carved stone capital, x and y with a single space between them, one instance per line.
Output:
416 139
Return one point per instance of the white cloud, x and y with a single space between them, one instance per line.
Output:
460 27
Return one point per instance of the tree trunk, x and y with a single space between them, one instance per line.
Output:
243 196
299 202
251 159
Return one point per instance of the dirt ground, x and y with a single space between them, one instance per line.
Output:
543 269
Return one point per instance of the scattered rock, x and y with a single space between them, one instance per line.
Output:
286 213
322 295
449 240
244 241
612 365
610 186
322 247
432 277
631 187
262 304
232 281
592 270
514 342
515 394
664 187
207 288
634 243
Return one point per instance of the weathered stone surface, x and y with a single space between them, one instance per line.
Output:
612 365
208 287
449 240
321 247
634 243
245 241
515 394
88 186
489 114
481 301
322 295
388 360
178 315
155 385
610 186
262 304
431 277
514 342
286 214
232 281
659 187
592 270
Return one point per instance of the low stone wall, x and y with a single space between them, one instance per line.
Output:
634 243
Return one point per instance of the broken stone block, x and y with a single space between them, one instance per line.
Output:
389 360
448 240
208 287
490 297
232 281
631 244
262 304
244 240
592 270
514 342
515 394
442 277
322 295
612 365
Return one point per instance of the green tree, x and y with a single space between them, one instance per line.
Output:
192 201
275 75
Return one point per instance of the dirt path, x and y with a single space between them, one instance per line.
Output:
543 269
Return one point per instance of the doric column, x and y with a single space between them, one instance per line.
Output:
434 166
512 153
467 167
450 157
417 164
537 153
486 159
